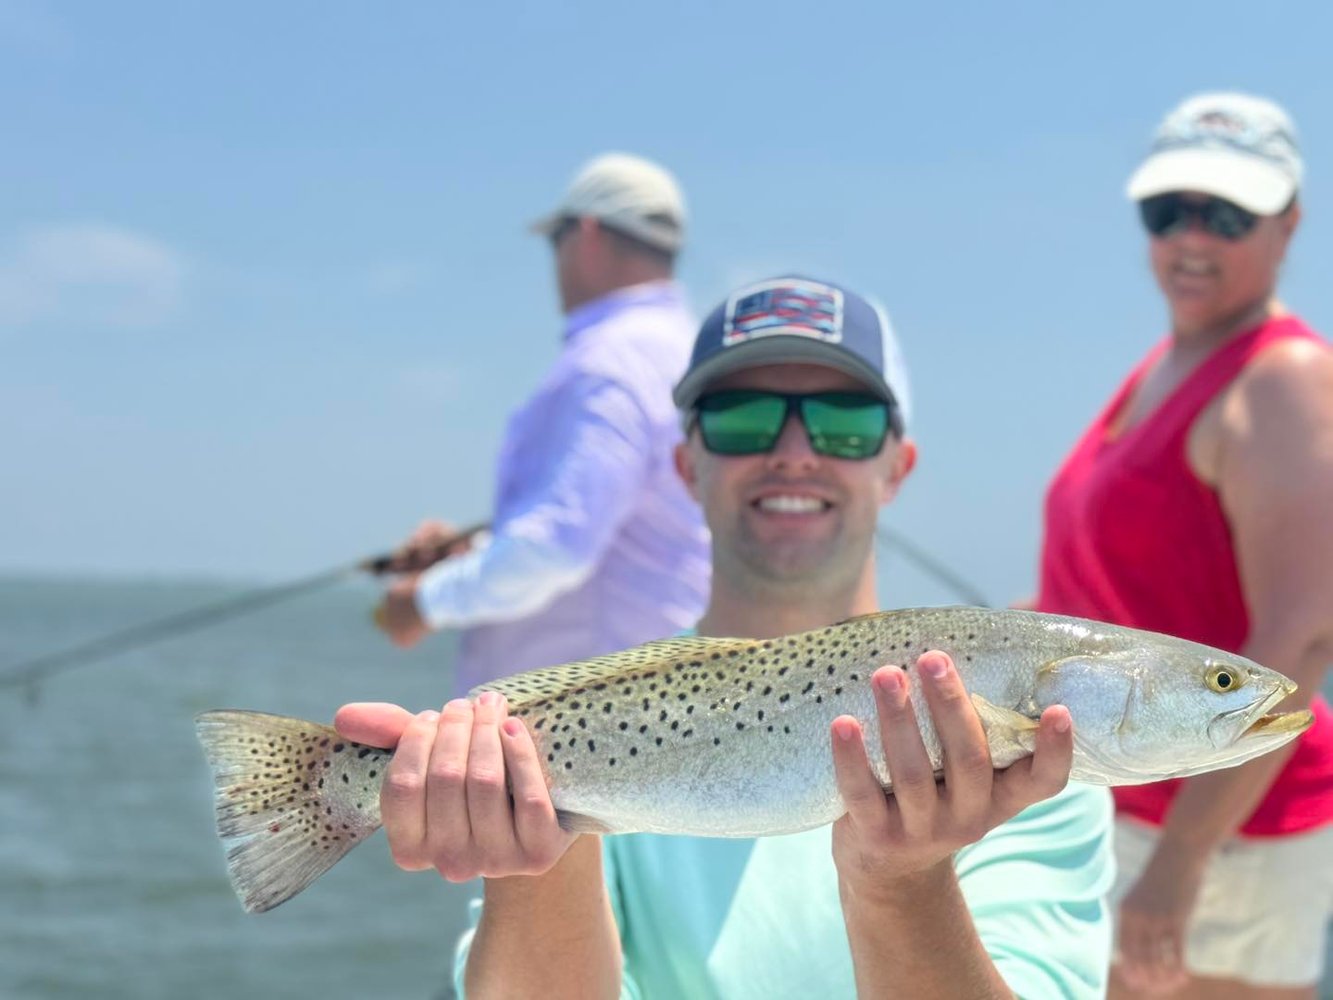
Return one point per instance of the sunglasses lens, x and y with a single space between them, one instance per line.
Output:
1222 218
1167 214
1163 214
845 424
741 423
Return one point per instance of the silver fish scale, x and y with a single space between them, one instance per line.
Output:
734 733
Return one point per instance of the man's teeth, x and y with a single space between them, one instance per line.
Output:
1195 267
791 505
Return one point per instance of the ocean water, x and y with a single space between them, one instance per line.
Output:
112 882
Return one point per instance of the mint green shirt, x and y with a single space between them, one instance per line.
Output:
702 917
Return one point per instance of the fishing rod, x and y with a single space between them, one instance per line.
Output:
932 566
404 561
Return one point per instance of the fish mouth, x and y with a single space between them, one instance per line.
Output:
1258 719
1280 723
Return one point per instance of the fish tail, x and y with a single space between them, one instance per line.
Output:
292 798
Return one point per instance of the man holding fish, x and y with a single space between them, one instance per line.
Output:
982 874
986 882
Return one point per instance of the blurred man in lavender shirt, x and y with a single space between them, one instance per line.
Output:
594 544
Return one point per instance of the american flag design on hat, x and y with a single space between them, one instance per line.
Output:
785 306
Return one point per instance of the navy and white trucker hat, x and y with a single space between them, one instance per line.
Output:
798 320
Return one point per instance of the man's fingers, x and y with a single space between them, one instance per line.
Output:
403 797
1054 756
860 789
374 723
487 794
1043 774
909 765
534 815
968 772
448 824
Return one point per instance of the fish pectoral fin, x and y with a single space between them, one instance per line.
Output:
1011 734
578 823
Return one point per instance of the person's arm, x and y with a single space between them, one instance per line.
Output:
547 929
596 451
1275 481
550 935
584 474
908 922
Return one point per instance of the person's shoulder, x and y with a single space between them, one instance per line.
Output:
1289 372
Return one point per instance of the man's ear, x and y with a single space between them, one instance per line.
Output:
686 468
899 461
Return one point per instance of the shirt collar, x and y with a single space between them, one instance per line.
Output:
649 293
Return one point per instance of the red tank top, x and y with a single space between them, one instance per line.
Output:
1134 538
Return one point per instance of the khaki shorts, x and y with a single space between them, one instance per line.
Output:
1263 908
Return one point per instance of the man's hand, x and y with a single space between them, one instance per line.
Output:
884 840
397 615
1152 923
446 802
429 544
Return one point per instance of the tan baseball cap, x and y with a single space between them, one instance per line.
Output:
627 193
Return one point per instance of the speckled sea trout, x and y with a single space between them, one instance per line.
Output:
730 737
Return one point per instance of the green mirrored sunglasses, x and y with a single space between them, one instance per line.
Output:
839 424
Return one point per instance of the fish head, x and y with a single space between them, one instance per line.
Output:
1170 710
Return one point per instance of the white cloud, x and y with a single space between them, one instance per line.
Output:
89 275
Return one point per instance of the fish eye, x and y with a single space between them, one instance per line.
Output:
1223 679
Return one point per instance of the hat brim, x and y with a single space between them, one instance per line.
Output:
778 350
656 237
1247 181
547 224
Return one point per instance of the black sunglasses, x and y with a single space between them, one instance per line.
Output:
562 229
1170 213
849 425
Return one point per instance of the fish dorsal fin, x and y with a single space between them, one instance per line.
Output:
861 618
658 656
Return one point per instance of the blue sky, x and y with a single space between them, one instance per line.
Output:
266 295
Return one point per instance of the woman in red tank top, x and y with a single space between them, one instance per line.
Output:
1200 503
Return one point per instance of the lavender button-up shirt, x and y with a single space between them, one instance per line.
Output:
595 543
